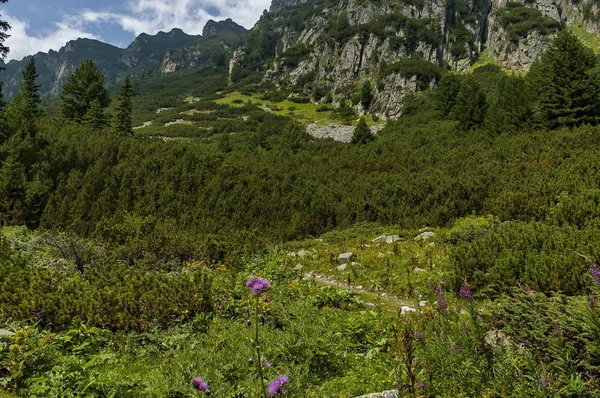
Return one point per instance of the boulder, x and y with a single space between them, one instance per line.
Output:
392 239
425 235
345 257
379 239
385 394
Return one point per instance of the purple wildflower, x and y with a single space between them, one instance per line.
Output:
465 293
455 349
441 300
276 386
595 271
421 385
592 301
418 335
199 384
266 362
544 382
258 285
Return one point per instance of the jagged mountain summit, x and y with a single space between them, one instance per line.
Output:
147 55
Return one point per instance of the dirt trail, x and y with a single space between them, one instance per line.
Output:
368 297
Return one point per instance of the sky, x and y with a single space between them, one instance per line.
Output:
41 25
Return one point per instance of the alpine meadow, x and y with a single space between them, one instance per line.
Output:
355 198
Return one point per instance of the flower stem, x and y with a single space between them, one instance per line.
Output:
257 343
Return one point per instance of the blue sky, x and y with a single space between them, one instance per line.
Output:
39 25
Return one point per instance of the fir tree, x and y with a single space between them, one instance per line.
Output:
122 122
362 133
84 87
30 89
566 87
95 118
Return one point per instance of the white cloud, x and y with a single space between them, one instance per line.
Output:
152 16
21 43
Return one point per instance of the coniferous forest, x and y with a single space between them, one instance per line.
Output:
182 235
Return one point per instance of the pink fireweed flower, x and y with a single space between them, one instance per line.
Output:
276 386
258 285
199 384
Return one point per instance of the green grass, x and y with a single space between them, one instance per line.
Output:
592 40
304 113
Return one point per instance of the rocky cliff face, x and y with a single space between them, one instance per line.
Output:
164 52
332 46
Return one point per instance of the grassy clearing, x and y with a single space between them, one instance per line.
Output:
588 38
304 113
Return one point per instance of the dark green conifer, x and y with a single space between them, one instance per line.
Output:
122 122
84 87
470 106
95 118
362 133
30 89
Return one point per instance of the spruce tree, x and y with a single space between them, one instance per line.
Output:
511 109
95 118
362 133
366 95
30 89
122 122
566 89
446 93
84 88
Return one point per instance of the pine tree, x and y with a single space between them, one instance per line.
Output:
95 118
84 87
567 91
2 102
470 106
225 144
362 133
122 122
30 89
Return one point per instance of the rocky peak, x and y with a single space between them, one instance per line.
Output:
213 28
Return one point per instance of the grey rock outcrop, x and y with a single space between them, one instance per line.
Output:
384 394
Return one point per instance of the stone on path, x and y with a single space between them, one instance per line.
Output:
345 257
425 235
385 394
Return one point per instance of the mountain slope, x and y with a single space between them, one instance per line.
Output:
146 55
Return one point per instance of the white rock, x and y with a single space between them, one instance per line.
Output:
6 333
425 235
422 303
417 269
359 287
298 267
379 239
392 239
342 267
407 309
345 257
431 244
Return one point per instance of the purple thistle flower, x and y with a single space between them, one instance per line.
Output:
418 335
544 382
465 293
595 271
199 384
442 303
258 285
276 386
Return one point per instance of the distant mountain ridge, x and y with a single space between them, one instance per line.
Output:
163 52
